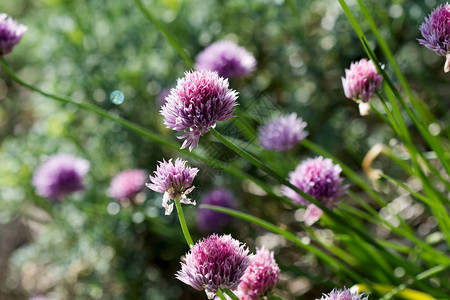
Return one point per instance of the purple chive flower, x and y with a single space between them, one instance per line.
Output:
344 294
199 100
435 31
215 262
227 59
174 180
209 220
360 82
126 184
319 178
282 133
260 276
38 298
10 33
60 175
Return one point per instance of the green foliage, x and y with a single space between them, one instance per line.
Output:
390 234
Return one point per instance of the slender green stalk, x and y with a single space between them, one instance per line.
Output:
382 117
184 227
221 295
410 190
166 34
230 294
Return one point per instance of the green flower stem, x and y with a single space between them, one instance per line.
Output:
184 227
230 294
381 116
409 190
220 294
166 34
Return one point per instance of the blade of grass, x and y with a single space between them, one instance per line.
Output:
183 224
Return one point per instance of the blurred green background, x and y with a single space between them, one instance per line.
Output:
91 248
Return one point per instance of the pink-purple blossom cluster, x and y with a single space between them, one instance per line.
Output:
216 262
126 184
282 133
436 32
319 178
196 104
10 33
260 276
174 180
227 59
344 294
360 82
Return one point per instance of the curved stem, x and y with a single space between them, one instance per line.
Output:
221 295
230 294
183 224
166 34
